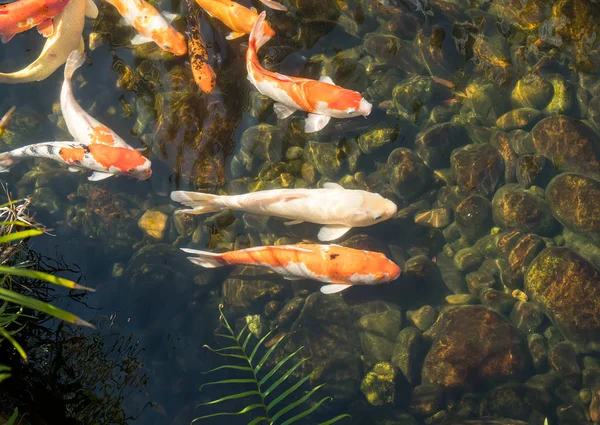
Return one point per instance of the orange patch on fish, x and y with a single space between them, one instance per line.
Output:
23 15
122 158
236 17
203 73
72 156
102 135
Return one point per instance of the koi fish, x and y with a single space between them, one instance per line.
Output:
23 15
203 73
67 36
82 126
239 19
105 161
321 99
337 208
151 25
336 265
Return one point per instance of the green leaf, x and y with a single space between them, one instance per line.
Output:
14 343
258 344
334 420
231 347
9 237
259 420
296 403
306 412
231 397
241 412
4 372
282 379
236 356
33 274
266 356
245 344
278 366
226 336
230 381
227 366
239 336
14 417
34 304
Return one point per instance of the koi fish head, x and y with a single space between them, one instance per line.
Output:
343 103
170 40
141 171
380 269
374 209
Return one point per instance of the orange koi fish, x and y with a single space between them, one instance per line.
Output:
105 161
203 73
321 99
23 15
239 19
336 265
151 25
81 125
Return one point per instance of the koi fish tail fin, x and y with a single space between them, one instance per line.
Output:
6 161
200 203
206 259
259 36
74 61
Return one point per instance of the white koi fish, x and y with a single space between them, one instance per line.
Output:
336 265
321 99
337 208
82 126
105 161
66 37
151 25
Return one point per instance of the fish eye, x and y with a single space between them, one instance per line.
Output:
377 217
351 111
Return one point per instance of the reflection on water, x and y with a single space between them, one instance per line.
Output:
484 132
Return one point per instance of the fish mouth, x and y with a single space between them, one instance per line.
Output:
365 107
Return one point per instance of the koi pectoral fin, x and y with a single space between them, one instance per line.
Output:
293 278
233 35
291 223
274 5
97 176
46 28
334 288
315 122
332 232
6 38
91 10
282 111
170 17
140 39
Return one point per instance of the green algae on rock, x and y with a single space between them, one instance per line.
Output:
568 288
453 360
575 202
435 145
407 174
478 169
516 209
379 385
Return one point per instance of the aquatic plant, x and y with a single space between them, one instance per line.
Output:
13 215
267 386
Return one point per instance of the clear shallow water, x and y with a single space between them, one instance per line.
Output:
149 292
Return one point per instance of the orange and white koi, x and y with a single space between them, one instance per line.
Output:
338 266
321 99
151 25
203 73
67 36
339 209
82 126
23 15
239 19
105 161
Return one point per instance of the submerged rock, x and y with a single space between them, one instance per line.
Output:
435 145
452 360
247 286
377 332
532 91
574 201
474 217
408 175
518 118
515 208
534 170
407 353
379 385
477 168
568 288
153 224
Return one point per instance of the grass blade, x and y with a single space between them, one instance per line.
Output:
231 397
227 366
230 381
258 420
334 420
259 343
266 356
235 356
34 304
306 412
296 403
241 412
20 235
14 417
226 336
33 274
4 372
278 366
231 347
14 343
282 379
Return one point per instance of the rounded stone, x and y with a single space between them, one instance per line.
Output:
477 168
408 353
153 224
570 144
379 384
452 362
523 118
407 174
474 217
532 91
422 318
534 170
568 288
575 201
515 208
435 145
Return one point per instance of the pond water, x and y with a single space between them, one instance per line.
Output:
484 132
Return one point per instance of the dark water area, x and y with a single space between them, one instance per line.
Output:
484 132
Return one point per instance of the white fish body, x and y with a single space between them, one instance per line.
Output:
82 126
337 208
67 36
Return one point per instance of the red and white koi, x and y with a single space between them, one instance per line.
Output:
338 266
337 208
82 126
105 161
239 19
151 25
321 99
23 15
